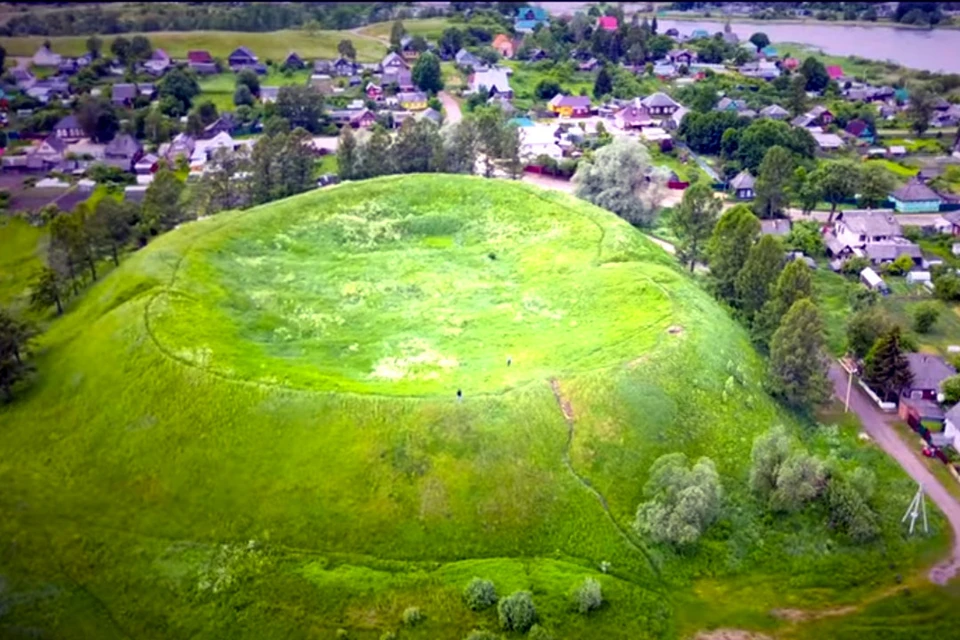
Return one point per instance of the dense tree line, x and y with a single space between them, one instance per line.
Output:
234 16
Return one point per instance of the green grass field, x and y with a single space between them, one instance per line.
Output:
21 248
274 45
429 28
250 429
219 88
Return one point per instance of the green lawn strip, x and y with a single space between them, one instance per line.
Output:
220 88
272 45
429 28
22 252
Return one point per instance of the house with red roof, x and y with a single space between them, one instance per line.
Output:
790 63
835 72
607 23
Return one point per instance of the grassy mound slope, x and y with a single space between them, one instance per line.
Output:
206 453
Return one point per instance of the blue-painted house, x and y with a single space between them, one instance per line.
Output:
528 18
916 197
769 51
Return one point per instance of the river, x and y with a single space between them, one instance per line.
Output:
933 50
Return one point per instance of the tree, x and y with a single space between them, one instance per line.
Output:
426 73
375 159
98 118
815 73
797 95
510 151
876 183
793 283
759 272
225 183
925 315
111 227
120 48
517 612
418 147
396 33
805 190
920 109
603 85
850 512
589 596
727 250
347 154
480 594
15 336
140 49
616 178
94 45
69 231
837 182
951 390
243 96
770 451
345 48
797 365
281 165
547 89
762 134
704 132
460 147
49 289
776 171
805 237
161 203
760 40
801 479
249 79
451 41
886 368
301 106
681 501
693 222
179 85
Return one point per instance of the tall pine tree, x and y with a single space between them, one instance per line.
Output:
347 154
693 222
759 272
886 368
727 250
797 364
776 171
794 283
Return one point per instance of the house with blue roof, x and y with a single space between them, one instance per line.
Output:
528 18
699 33
769 51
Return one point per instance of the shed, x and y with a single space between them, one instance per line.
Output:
871 280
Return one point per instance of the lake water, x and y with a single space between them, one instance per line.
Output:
936 50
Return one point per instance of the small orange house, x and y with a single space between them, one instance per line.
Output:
504 46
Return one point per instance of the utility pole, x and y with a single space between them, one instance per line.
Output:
917 506
849 368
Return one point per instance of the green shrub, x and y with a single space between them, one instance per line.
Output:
539 633
388 635
517 612
412 616
342 633
925 315
480 634
951 389
589 596
480 594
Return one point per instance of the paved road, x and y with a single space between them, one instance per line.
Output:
451 107
918 219
877 424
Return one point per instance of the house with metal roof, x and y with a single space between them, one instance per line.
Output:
742 186
660 104
916 197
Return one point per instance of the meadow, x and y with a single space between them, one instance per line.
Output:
20 258
250 429
219 88
274 45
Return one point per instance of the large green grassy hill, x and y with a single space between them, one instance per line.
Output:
250 429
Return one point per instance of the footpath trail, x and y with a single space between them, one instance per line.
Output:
451 107
877 425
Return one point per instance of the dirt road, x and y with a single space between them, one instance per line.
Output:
877 424
451 107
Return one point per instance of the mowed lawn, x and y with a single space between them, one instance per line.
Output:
251 429
274 45
220 88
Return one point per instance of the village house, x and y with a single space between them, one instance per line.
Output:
294 62
570 106
147 164
504 45
607 23
633 116
860 129
407 49
201 62
374 91
344 67
763 69
503 102
402 79
321 83
742 186
951 429
124 94
916 197
928 372
494 80
269 94
158 63
528 18
224 124
123 152
827 141
464 58
873 234
835 72
393 62
355 118
412 100
68 66
731 104
589 65
660 104
539 140
23 78
47 155
44 57
243 58
682 56
664 70
182 145
775 112
68 128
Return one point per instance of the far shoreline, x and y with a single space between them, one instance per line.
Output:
687 17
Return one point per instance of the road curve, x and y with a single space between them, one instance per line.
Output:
451 107
877 424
